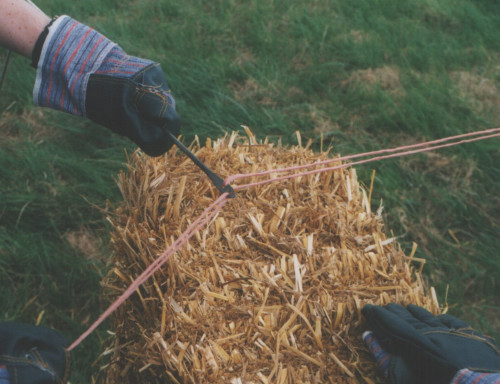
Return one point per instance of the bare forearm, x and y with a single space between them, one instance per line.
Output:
20 25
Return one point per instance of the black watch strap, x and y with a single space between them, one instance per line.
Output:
37 49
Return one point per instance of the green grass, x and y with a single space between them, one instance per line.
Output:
365 75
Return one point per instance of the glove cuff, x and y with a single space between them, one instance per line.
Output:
381 356
464 376
70 53
4 375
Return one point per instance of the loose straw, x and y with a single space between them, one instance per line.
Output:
202 220
403 151
345 165
217 205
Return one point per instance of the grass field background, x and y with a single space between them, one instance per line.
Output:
365 75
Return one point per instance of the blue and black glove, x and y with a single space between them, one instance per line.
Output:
413 346
32 355
81 72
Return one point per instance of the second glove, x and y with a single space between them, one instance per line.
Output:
430 349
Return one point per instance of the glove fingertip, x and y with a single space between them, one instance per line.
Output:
452 322
368 309
396 308
424 315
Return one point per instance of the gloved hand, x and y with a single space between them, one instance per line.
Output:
418 347
32 355
81 72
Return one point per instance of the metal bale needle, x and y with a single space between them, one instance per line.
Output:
216 179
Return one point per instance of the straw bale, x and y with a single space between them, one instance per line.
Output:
270 291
